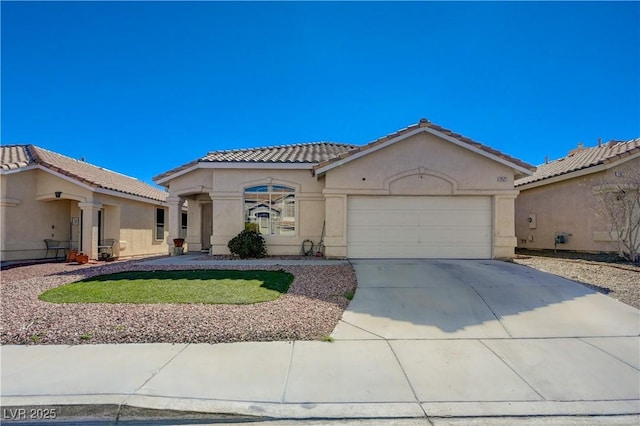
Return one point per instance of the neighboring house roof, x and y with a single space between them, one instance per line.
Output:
15 157
301 153
322 156
583 158
426 126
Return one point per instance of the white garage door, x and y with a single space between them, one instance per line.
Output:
419 227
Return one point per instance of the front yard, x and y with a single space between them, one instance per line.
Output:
200 286
309 310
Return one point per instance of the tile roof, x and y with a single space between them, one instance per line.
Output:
583 158
301 153
20 156
424 123
314 152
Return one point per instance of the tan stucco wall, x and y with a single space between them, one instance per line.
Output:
30 212
568 206
421 165
25 221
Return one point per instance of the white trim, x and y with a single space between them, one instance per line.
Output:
177 174
253 165
104 191
130 196
576 173
17 170
441 135
95 189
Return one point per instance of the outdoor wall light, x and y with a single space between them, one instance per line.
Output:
58 194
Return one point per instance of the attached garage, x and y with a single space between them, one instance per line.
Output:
421 192
419 227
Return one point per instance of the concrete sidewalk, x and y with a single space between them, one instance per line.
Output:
399 352
341 379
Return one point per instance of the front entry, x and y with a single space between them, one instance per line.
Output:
207 225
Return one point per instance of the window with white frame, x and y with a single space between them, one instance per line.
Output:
272 208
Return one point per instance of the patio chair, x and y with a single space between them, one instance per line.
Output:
105 250
54 246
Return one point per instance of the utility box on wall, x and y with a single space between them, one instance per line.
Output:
532 220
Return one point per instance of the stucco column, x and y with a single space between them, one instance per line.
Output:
90 228
175 220
335 240
504 227
194 225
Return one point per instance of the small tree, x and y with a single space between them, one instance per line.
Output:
619 205
248 243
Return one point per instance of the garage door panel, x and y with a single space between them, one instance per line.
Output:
419 226
373 236
453 236
373 218
453 219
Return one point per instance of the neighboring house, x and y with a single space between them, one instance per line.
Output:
561 205
46 195
423 191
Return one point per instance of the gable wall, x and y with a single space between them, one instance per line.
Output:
469 170
422 165
568 206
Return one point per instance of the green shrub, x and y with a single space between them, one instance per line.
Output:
248 244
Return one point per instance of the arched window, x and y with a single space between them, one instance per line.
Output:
272 208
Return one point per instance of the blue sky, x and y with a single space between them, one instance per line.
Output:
142 87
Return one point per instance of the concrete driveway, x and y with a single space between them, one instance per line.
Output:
484 332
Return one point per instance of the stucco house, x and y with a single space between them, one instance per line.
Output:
423 191
46 195
560 206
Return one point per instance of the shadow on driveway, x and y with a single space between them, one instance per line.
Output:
441 299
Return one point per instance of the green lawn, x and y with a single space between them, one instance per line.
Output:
202 286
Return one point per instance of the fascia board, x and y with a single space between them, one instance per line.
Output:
253 165
177 174
560 178
101 190
478 151
360 154
119 194
18 170
578 173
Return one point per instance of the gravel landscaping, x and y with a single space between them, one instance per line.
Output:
620 281
309 311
